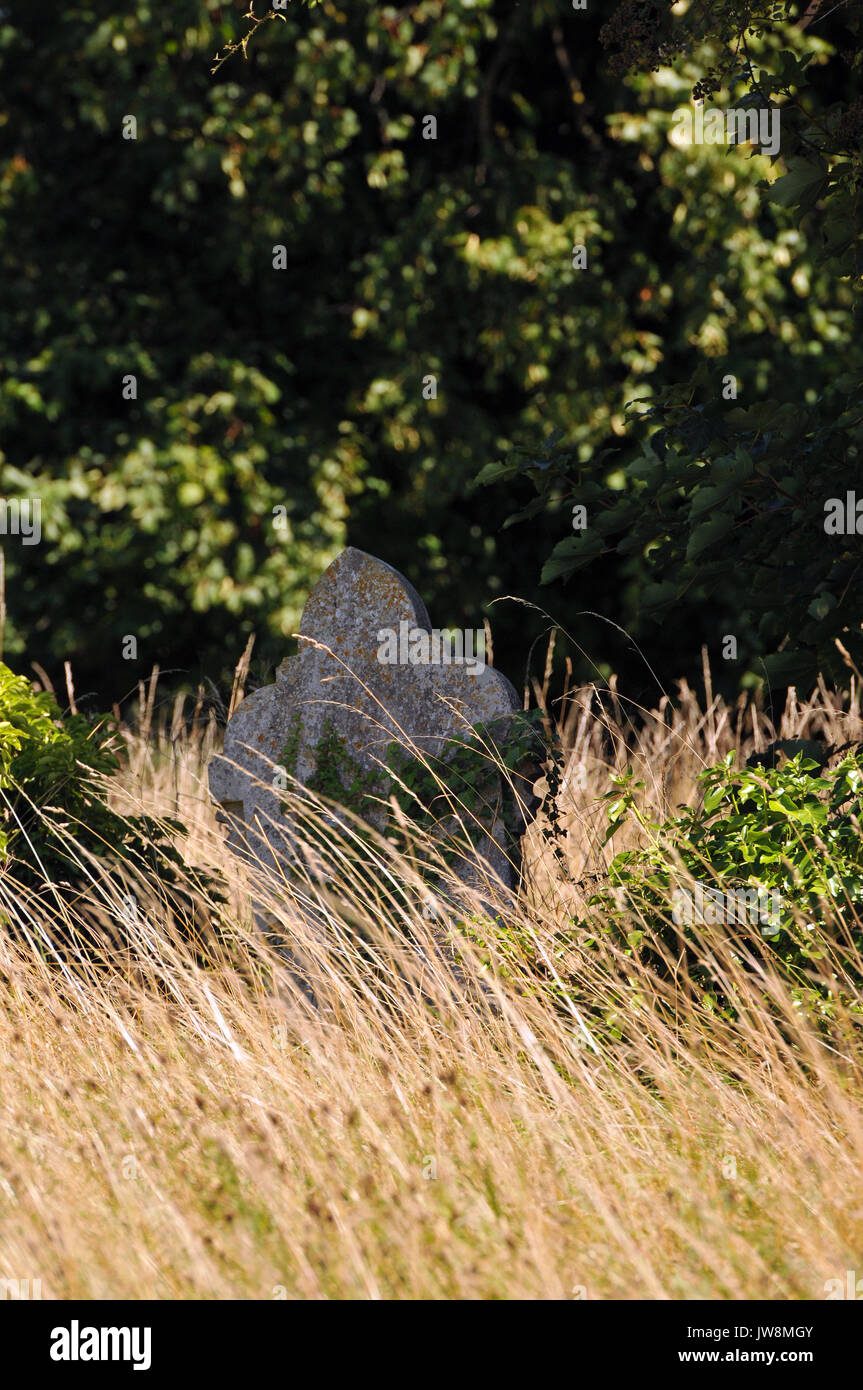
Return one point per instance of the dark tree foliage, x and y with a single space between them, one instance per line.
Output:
280 413
747 509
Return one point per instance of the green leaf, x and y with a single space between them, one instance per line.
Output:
570 555
821 605
707 534
494 472
802 186
790 667
654 595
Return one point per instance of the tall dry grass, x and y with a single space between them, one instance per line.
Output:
180 1121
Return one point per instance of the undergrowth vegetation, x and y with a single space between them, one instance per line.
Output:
772 859
404 1092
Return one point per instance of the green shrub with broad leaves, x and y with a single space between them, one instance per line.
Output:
57 828
787 837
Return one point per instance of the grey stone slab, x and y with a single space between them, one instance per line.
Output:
340 700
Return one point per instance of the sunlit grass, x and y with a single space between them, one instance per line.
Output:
181 1121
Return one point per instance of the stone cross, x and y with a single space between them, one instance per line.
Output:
370 672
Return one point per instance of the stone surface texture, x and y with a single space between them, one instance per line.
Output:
336 684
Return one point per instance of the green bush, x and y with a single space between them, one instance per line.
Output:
788 837
58 829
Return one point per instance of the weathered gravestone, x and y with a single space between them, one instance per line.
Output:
370 672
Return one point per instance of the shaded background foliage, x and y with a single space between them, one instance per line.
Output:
302 388
750 511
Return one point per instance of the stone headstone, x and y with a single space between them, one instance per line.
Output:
370 671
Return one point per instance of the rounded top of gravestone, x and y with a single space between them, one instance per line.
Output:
360 594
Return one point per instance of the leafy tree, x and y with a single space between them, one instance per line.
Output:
295 396
737 508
